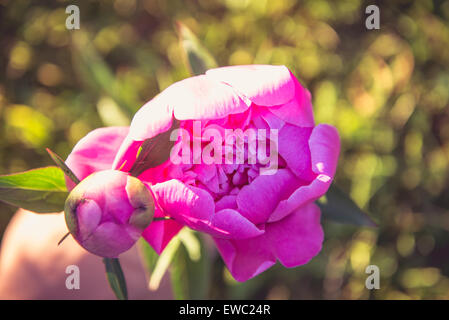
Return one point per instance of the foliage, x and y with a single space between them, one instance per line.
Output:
385 90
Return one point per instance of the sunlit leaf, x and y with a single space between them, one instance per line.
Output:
116 278
163 263
148 256
40 190
98 76
198 59
111 114
190 269
61 164
339 207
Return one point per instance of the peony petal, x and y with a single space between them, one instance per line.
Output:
227 202
297 111
126 155
264 85
298 237
274 122
185 204
89 217
247 258
194 98
257 200
159 233
95 152
195 208
233 225
153 117
200 98
324 146
294 149
108 239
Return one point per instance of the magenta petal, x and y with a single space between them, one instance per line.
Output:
159 233
294 141
195 208
264 85
95 152
126 154
325 149
109 238
273 121
88 218
324 146
298 237
186 204
227 202
257 200
246 258
297 111
233 225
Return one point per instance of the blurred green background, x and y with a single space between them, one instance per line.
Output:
387 91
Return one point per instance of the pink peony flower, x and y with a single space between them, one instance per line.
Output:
255 217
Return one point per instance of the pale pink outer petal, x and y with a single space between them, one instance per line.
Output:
297 238
265 85
95 152
195 208
201 98
257 200
324 146
153 117
246 258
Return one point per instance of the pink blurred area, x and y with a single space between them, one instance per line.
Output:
33 266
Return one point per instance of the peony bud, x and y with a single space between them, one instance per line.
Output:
107 212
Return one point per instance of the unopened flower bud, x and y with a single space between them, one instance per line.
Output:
107 212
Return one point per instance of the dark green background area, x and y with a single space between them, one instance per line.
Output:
387 92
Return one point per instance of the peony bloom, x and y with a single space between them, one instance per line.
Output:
256 213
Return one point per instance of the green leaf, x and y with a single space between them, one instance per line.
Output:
98 76
116 278
198 59
154 151
163 263
190 269
339 207
40 190
61 164
111 114
148 257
